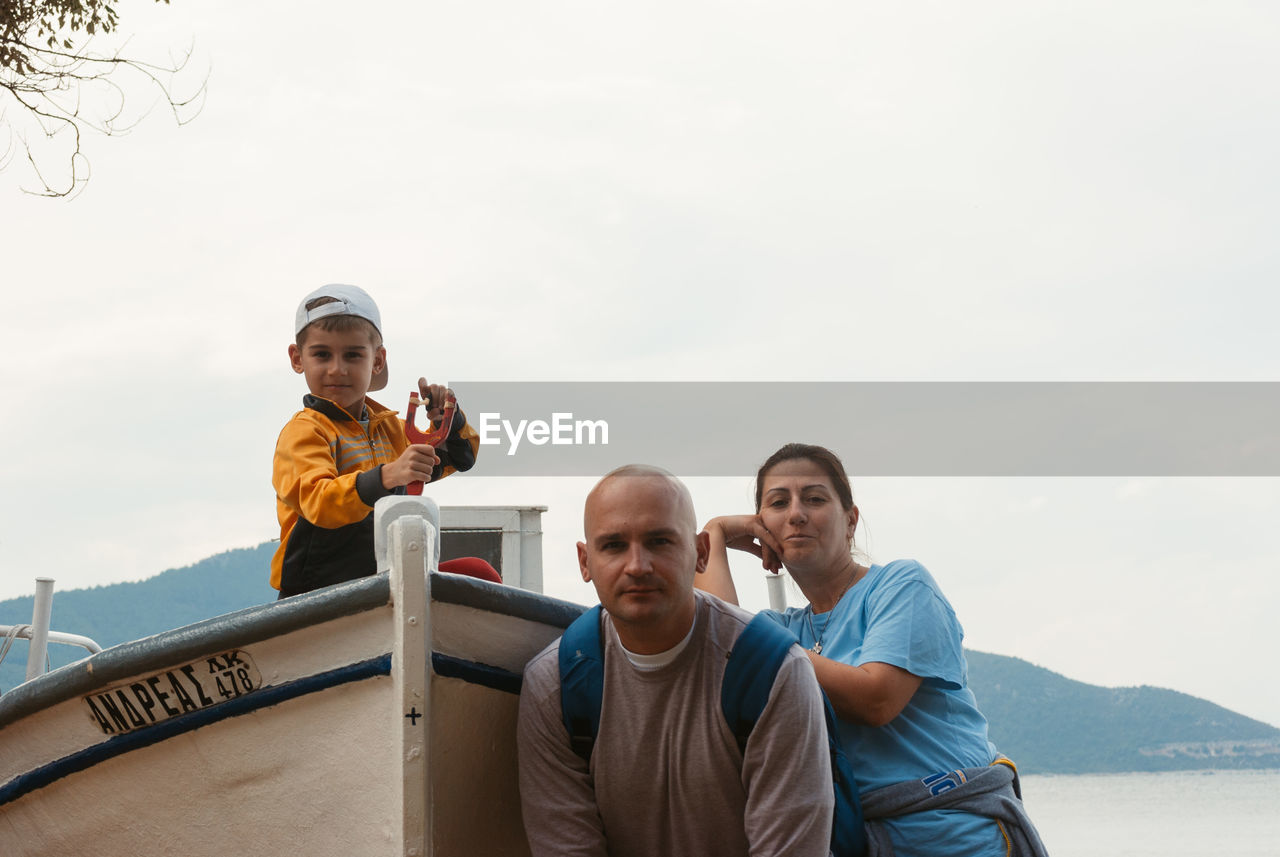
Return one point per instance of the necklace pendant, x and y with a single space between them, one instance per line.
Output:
816 648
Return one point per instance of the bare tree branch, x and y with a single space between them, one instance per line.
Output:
57 90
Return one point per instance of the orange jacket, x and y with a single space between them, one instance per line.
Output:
327 475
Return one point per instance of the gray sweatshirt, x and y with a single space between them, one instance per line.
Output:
666 776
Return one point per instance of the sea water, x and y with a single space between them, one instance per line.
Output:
1182 814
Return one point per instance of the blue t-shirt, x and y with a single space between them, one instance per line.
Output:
897 615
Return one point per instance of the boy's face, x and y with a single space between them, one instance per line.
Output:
338 365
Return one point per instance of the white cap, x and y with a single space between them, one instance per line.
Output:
347 300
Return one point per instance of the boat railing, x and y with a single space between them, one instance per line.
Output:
39 634
25 632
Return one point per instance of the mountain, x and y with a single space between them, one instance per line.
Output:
1049 723
1044 721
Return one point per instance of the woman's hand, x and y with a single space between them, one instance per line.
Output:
747 533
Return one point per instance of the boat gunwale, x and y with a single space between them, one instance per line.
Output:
254 624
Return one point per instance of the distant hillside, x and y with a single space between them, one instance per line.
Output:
1046 722
1049 723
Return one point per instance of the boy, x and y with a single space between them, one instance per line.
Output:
343 450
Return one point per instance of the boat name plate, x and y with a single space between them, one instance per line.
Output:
173 692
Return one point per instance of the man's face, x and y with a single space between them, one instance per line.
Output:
641 553
338 365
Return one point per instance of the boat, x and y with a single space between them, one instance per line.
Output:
375 717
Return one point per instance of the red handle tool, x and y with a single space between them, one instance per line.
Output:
433 438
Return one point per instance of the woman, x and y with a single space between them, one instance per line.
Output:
886 647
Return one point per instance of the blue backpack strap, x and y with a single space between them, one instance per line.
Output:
848 835
582 681
748 677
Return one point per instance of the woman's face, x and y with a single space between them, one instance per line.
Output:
800 507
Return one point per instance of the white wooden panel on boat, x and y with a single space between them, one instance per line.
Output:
68 727
475 797
489 638
307 776
323 646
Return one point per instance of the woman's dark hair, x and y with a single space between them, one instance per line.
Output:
819 455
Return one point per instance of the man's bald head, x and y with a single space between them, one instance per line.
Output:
617 480
641 552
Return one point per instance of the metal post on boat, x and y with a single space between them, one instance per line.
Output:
41 613
777 586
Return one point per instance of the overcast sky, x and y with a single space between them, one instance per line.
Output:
679 191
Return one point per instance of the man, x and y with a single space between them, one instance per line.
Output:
665 775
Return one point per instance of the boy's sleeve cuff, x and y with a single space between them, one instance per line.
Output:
369 486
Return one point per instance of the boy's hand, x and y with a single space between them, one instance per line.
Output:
433 396
413 465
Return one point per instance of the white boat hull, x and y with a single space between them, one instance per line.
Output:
335 729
